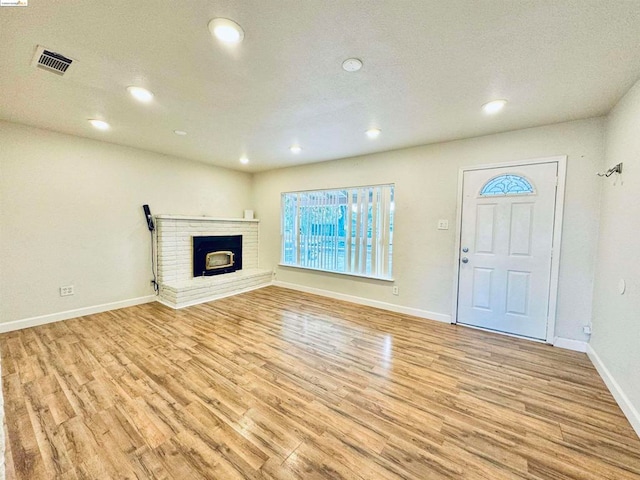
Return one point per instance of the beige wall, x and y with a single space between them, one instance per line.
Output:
426 190
70 213
616 317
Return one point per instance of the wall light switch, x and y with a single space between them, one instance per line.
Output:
443 224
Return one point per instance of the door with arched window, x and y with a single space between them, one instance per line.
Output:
506 240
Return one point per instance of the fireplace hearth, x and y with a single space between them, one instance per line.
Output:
215 255
175 236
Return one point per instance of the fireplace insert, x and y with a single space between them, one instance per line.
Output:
216 255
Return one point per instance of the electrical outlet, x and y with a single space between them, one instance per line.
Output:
587 329
395 291
66 291
443 224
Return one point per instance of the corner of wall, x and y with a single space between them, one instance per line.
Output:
613 347
618 393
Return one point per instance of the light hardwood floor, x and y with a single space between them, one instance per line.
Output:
276 384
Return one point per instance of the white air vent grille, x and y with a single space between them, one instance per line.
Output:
51 61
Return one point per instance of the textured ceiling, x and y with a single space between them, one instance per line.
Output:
428 67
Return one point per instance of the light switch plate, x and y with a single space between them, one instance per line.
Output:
443 224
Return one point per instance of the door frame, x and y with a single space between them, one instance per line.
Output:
561 161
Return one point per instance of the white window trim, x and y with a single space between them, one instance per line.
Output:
331 272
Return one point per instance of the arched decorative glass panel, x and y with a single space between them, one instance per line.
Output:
506 185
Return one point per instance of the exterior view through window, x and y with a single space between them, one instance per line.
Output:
347 230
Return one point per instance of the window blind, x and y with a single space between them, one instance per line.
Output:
347 230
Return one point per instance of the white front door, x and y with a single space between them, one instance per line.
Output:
506 244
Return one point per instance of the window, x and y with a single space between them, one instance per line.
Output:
506 185
348 230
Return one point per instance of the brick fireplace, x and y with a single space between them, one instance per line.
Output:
183 282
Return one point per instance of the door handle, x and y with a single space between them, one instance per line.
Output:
465 260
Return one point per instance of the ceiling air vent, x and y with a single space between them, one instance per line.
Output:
51 61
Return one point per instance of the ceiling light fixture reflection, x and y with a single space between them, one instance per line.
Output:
295 148
99 124
373 132
181 133
140 94
494 106
226 30
244 160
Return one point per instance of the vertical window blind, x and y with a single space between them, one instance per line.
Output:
347 230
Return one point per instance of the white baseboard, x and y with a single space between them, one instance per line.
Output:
559 342
416 312
80 312
569 344
620 397
210 298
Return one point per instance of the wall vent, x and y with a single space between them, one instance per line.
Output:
51 61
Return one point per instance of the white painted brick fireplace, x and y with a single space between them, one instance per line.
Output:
178 287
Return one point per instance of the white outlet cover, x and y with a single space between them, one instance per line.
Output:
66 291
443 224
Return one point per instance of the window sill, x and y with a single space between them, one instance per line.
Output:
368 277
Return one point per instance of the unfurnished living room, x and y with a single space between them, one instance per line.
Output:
320 239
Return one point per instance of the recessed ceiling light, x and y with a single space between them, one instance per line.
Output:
140 94
244 160
99 124
295 148
226 30
352 64
493 106
373 132
182 133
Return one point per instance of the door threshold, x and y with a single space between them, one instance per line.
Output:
506 334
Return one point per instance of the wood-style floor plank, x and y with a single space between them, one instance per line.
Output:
276 384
